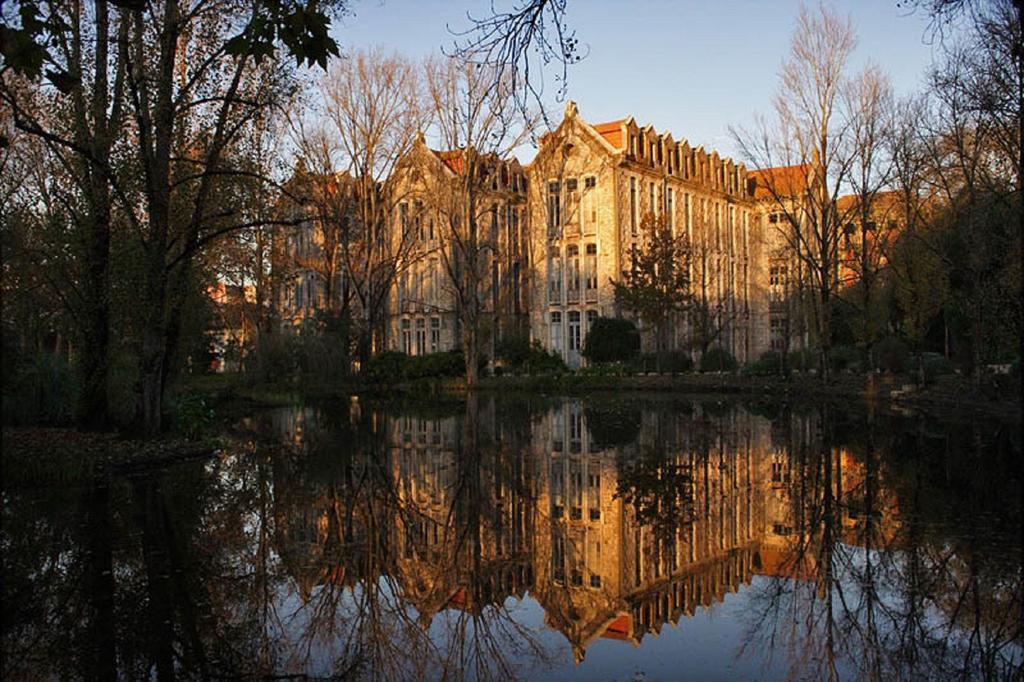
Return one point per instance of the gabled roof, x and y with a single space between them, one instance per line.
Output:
453 159
879 201
781 181
612 132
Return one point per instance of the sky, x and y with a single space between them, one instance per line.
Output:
692 68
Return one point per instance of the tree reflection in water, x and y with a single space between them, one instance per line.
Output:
413 541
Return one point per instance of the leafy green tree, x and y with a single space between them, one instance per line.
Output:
144 105
657 284
611 340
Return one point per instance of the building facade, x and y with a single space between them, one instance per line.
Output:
594 192
459 231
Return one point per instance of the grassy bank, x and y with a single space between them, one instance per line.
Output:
232 394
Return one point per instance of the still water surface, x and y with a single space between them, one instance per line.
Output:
544 539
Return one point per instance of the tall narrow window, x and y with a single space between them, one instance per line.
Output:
650 200
669 210
574 330
555 277
556 332
434 293
417 219
591 319
573 286
435 334
686 213
554 208
494 224
406 337
633 208
421 336
572 205
403 218
590 272
589 206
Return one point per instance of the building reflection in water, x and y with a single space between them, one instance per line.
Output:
455 539
616 521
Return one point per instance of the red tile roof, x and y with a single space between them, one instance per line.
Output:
452 159
782 181
611 131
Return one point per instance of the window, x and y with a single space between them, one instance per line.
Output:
574 330
403 217
556 332
435 334
572 203
778 334
406 337
686 213
554 208
589 206
421 336
591 319
573 286
669 221
417 219
555 277
434 293
650 199
633 218
778 276
590 271
773 217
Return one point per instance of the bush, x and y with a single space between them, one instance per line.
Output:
385 367
935 365
447 364
189 414
391 366
891 355
43 390
608 369
802 360
513 351
611 340
717 360
844 358
275 357
666 361
541 361
768 364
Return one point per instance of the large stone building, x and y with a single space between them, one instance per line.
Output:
309 276
478 242
461 245
593 191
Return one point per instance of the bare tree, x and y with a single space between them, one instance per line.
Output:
374 108
811 132
478 123
504 44
865 221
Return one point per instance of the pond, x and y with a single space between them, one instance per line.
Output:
542 538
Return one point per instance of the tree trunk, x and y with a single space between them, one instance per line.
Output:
470 342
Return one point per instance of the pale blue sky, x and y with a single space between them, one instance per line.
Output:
689 67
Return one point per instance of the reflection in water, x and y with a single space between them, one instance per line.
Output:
496 538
